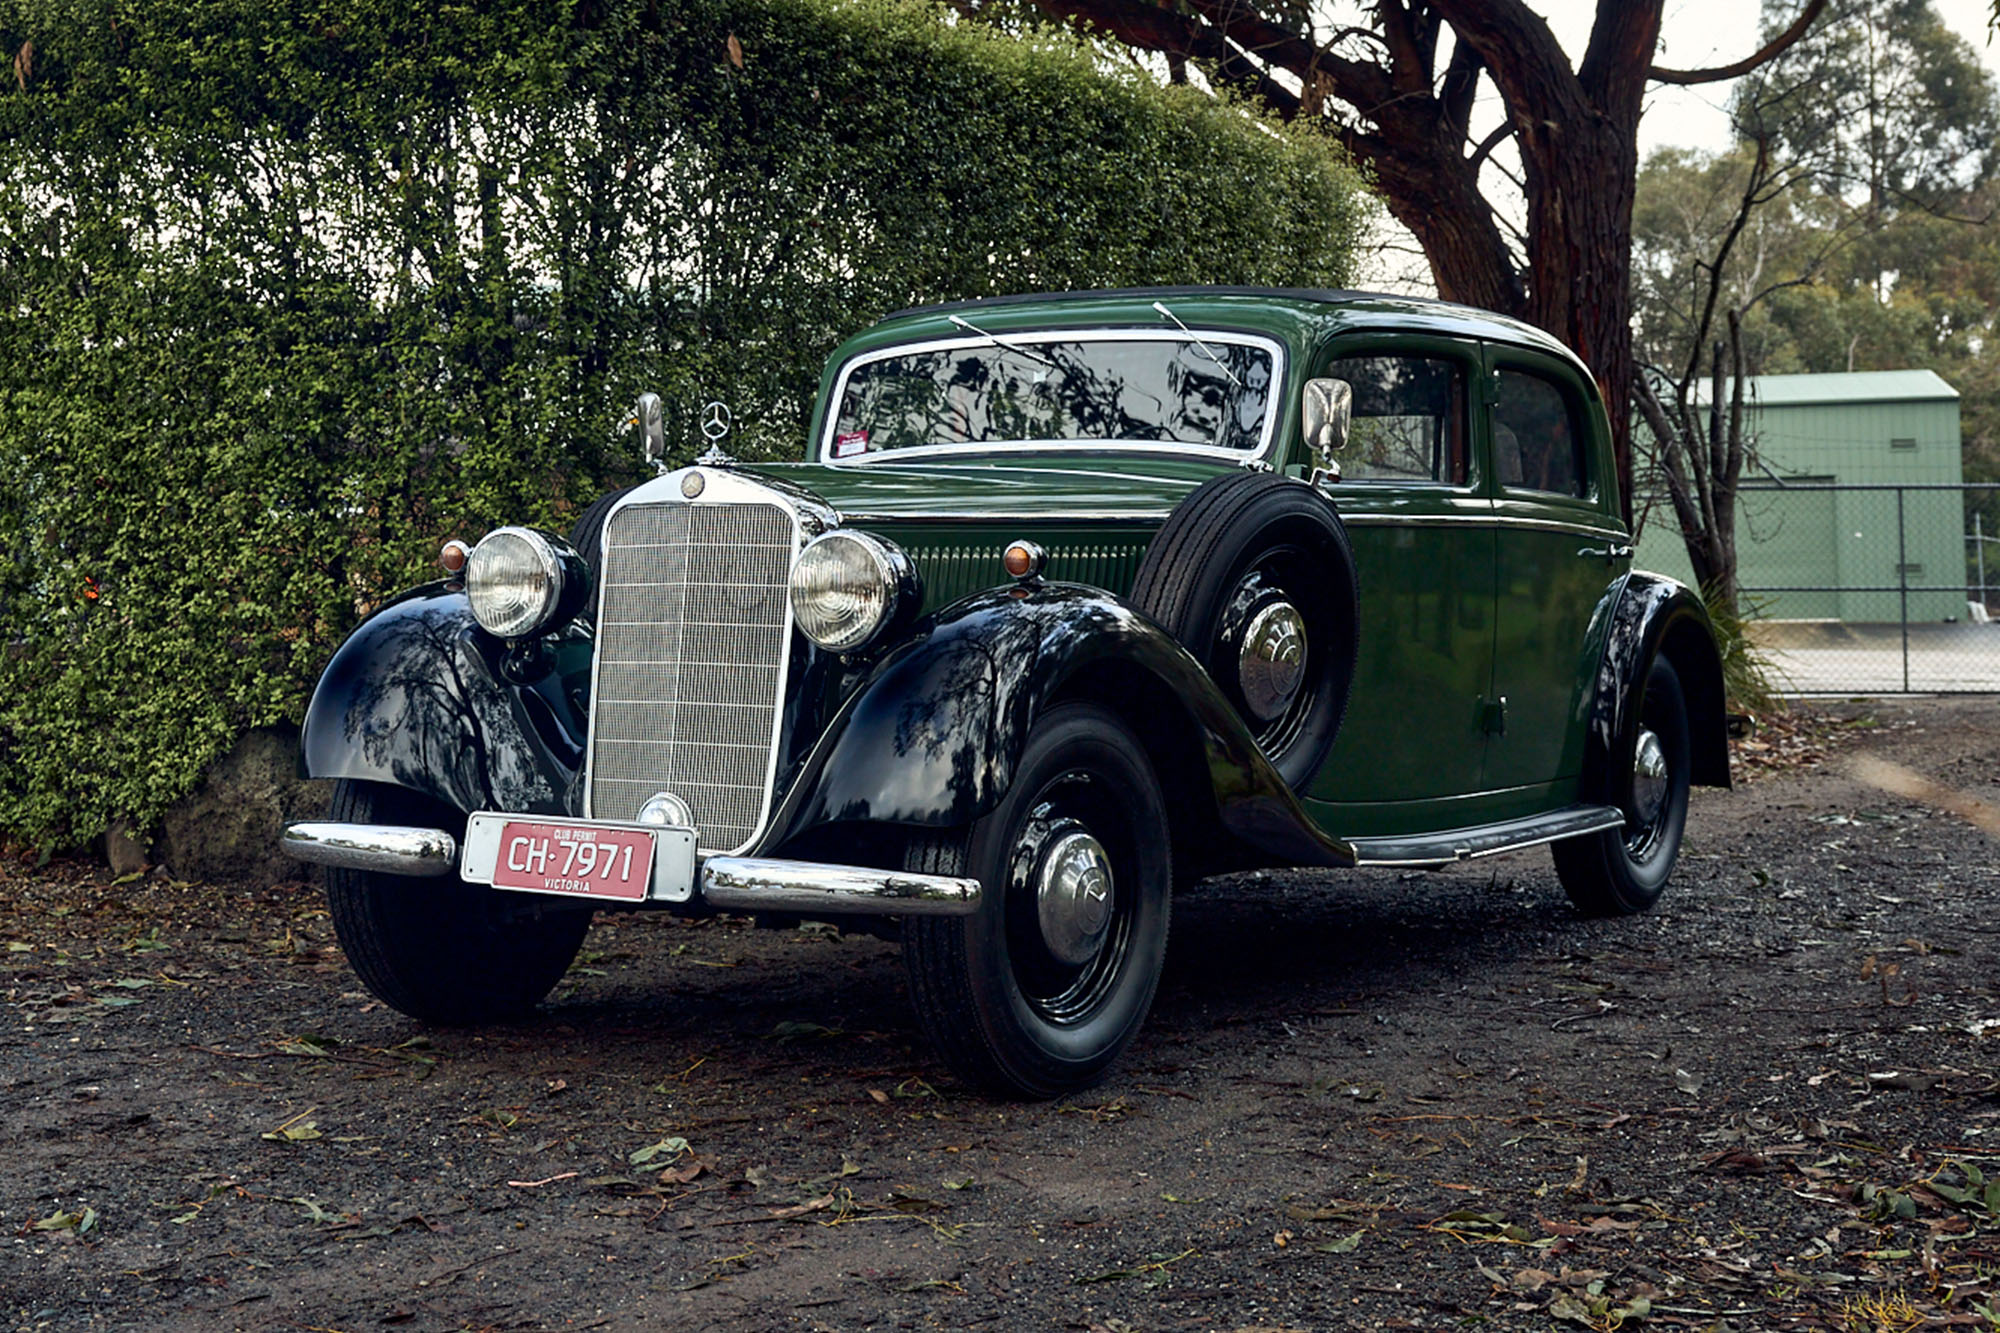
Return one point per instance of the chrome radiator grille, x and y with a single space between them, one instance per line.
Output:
693 622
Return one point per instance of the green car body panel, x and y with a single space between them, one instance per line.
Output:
1454 619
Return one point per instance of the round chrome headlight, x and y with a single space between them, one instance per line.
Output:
515 580
845 588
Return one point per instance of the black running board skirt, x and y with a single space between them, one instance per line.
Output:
1430 850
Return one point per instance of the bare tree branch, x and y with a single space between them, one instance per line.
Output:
1459 88
1520 53
1744 208
1732 459
1501 133
1775 47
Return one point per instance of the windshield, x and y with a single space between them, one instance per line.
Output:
1013 390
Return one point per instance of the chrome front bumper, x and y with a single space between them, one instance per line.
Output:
758 884
387 848
728 883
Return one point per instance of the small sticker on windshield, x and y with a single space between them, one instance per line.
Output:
849 443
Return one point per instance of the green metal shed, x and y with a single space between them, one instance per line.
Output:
1819 514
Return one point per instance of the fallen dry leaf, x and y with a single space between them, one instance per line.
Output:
820 1204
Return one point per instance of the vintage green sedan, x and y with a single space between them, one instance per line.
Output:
1074 599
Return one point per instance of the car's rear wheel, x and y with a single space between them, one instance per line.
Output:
1620 871
1038 992
1253 574
442 950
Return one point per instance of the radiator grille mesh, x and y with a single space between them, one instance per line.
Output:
692 627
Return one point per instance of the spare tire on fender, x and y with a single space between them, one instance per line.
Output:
588 538
1253 574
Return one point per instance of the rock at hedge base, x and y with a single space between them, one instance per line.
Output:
125 851
228 828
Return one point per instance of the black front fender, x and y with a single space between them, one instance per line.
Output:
932 735
1651 615
419 696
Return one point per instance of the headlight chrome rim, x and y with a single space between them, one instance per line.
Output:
871 603
522 610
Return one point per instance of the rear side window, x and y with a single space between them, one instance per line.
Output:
1409 419
1537 435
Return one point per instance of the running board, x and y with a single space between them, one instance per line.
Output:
1427 851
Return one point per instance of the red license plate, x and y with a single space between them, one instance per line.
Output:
577 859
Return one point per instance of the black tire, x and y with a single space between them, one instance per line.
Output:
442 950
1006 1012
588 539
1240 544
1621 871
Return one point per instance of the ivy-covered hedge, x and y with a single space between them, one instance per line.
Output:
290 290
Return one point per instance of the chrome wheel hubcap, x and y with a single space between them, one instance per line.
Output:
1649 778
1273 660
1073 897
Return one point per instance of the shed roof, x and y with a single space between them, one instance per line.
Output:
1860 386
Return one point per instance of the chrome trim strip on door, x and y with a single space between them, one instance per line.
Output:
1367 520
1015 516
1359 520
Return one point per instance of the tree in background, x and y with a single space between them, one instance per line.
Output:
1847 230
1889 107
1399 92
1905 162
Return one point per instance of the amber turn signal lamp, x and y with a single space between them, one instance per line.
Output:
453 556
1023 559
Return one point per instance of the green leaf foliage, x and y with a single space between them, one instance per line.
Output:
291 290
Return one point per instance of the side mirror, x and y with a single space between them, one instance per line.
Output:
1329 410
650 419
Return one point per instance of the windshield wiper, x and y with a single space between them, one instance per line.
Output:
1221 365
1003 343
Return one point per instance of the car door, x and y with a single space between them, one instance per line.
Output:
1411 496
1559 546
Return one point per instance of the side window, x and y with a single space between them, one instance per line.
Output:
1409 418
1537 435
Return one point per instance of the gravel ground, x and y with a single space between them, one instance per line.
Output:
1363 1101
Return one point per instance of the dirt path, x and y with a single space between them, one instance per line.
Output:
1363 1101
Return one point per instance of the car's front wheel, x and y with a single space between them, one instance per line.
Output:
1036 994
1623 870
442 950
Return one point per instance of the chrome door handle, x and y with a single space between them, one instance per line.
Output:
1615 551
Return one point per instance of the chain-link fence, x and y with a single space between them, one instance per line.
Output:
1874 588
